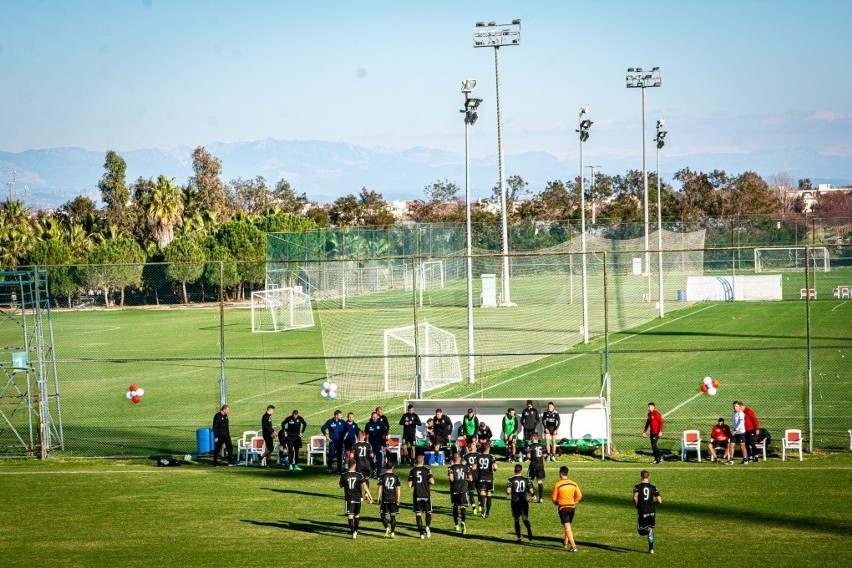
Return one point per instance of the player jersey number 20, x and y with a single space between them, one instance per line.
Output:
520 486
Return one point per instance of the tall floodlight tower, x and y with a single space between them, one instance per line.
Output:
638 79
592 189
584 125
660 140
470 116
497 35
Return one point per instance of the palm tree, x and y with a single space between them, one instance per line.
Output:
78 240
165 210
17 233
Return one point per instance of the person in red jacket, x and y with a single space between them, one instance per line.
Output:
654 423
721 438
751 426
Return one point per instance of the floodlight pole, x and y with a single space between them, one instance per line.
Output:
496 35
636 78
470 116
660 140
591 189
583 129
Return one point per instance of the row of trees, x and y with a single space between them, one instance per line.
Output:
206 219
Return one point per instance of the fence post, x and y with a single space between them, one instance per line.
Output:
809 353
223 383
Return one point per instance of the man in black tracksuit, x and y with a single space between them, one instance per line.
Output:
222 435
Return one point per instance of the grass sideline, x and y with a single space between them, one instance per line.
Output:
130 513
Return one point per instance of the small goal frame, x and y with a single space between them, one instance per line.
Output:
286 308
436 356
817 256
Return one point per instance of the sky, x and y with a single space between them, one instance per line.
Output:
738 75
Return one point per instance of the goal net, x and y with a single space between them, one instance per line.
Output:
434 347
280 309
791 259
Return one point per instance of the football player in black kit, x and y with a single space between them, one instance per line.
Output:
550 420
389 491
459 474
646 498
420 479
535 453
518 486
352 483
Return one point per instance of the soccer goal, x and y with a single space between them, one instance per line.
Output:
280 309
436 350
791 259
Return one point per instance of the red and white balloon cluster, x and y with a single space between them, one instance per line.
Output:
134 394
709 386
329 390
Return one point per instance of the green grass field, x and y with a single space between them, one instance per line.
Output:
757 350
130 513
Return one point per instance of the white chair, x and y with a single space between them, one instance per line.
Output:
792 441
254 449
762 447
691 441
244 443
395 446
317 446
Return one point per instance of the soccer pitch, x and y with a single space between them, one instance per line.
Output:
757 350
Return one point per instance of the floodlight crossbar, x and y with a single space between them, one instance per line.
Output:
497 35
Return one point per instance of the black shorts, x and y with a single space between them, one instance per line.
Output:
720 445
441 441
485 485
390 508
366 471
645 523
472 485
566 515
740 438
352 508
521 508
459 499
294 442
410 437
270 445
422 505
536 473
528 434
550 430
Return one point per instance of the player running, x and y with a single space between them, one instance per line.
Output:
459 474
645 499
420 479
518 486
352 483
390 488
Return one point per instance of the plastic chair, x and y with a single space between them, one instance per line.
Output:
244 443
317 446
395 446
691 441
255 448
792 441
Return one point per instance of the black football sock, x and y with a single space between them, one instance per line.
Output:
482 503
540 490
384 520
428 519
393 523
455 514
357 522
351 525
518 528
529 528
420 523
488 505
463 511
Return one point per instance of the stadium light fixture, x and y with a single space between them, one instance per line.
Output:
661 135
497 35
469 110
585 124
638 79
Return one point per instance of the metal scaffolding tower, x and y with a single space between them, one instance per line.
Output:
30 414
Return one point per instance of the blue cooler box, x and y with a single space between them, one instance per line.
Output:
204 441
433 458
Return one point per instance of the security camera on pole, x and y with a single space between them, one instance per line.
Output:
470 116
660 140
585 124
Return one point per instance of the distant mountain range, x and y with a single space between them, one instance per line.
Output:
327 170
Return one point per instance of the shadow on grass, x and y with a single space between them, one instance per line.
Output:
742 515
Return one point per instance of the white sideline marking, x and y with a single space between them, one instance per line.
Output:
838 305
580 355
684 403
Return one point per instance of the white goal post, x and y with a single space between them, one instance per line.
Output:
438 353
280 309
777 259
